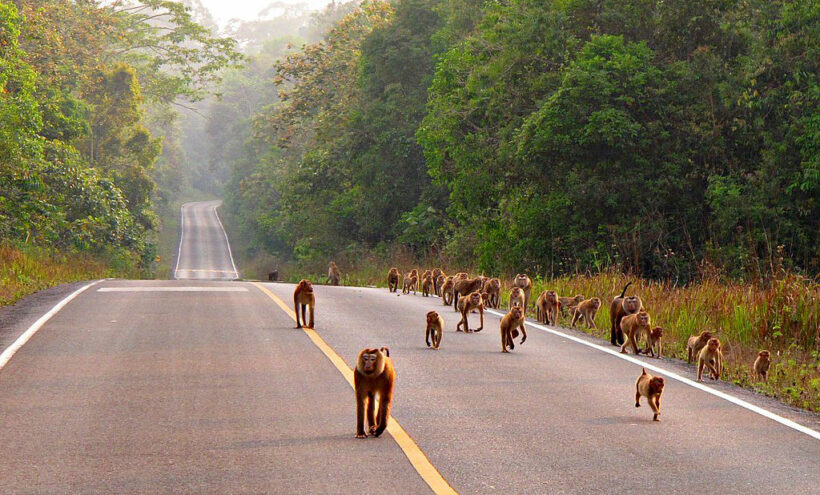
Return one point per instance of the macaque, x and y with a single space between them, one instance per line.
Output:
620 307
653 342
447 291
303 297
411 282
634 326
586 309
523 281
516 297
761 366
493 288
373 377
427 285
393 278
696 343
567 304
466 305
464 287
438 280
435 329
427 273
462 276
511 323
650 387
711 357
546 307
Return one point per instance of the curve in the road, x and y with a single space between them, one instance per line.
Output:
208 256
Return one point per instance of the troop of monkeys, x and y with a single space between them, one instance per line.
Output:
374 375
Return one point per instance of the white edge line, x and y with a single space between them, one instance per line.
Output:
25 336
227 242
734 400
181 235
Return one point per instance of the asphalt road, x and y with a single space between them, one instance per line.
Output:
207 387
204 252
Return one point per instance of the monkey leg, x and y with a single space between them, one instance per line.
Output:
437 339
311 316
385 399
633 342
481 314
637 397
360 416
523 335
503 340
371 411
296 307
427 337
700 371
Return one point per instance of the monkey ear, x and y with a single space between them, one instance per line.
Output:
386 351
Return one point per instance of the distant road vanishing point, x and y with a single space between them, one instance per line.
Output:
204 251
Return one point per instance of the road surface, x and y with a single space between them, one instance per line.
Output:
204 251
203 386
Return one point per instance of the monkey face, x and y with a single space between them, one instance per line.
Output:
369 362
516 312
516 292
643 318
306 286
632 304
475 298
713 344
596 302
657 332
432 316
764 354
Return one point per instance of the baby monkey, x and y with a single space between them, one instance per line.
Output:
650 387
435 329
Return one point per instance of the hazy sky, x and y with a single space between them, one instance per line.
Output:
224 10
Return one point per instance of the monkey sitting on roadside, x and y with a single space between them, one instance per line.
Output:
525 283
696 343
761 366
634 326
333 274
466 305
393 278
620 307
711 357
511 323
303 297
493 288
650 387
587 310
516 297
464 287
373 377
427 285
567 304
410 283
546 307
447 291
435 329
653 342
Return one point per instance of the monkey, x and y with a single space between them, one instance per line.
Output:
511 323
620 307
516 297
464 287
493 288
438 280
523 281
447 291
411 282
373 377
586 309
427 285
761 366
427 273
303 296
633 326
483 279
650 387
653 342
710 357
696 343
466 305
435 329
273 276
568 304
333 274
461 276
393 277
546 307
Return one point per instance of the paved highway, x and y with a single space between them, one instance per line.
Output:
204 251
206 387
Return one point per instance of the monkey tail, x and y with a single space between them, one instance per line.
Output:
644 372
623 292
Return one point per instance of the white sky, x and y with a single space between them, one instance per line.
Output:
224 10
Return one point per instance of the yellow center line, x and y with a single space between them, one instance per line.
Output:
414 454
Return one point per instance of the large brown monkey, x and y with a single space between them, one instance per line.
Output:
653 342
523 281
427 285
447 291
696 343
650 387
546 307
333 274
516 297
393 279
464 287
303 296
466 305
586 309
435 329
620 307
567 304
373 377
634 326
761 366
411 282
493 288
711 357
511 323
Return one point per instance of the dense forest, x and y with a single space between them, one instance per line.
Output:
663 138
88 92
